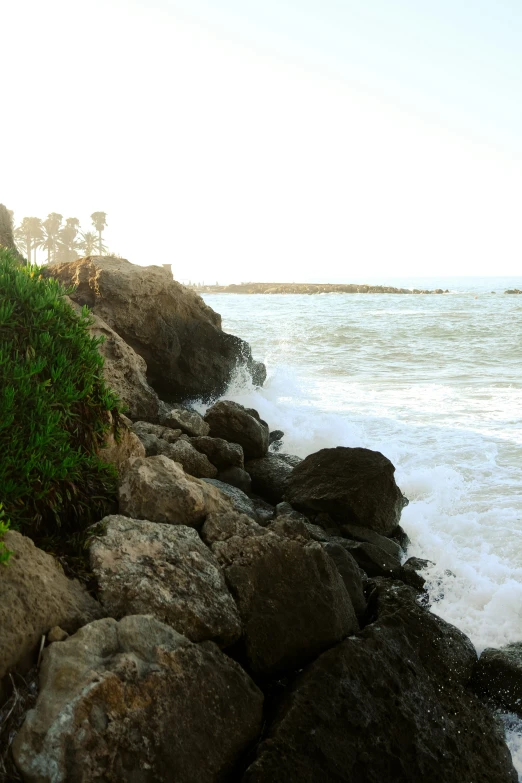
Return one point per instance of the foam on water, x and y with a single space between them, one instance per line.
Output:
435 384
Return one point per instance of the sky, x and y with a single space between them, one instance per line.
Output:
245 140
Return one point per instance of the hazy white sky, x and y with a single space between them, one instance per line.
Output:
269 139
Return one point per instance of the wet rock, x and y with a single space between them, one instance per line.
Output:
236 477
240 501
357 533
269 476
354 486
36 596
233 422
373 560
497 677
372 710
410 572
158 490
290 459
136 701
291 599
189 422
166 571
220 452
350 573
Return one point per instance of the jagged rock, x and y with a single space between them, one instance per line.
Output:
35 596
354 486
124 370
497 677
236 477
290 459
119 451
157 489
192 461
365 534
169 326
221 453
233 422
373 560
410 572
288 527
136 701
375 709
189 422
164 570
291 599
269 476
145 428
221 527
265 511
240 501
351 575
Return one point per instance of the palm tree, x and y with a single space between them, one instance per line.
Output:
28 236
88 243
67 241
99 221
51 228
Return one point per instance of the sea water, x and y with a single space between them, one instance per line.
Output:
434 382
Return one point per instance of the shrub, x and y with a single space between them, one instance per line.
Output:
5 554
54 410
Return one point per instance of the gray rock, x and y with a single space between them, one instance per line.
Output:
166 571
497 677
233 422
136 701
373 560
236 477
240 501
220 452
350 573
411 572
269 476
358 533
189 422
290 459
192 461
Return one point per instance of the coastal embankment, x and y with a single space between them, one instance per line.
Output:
310 288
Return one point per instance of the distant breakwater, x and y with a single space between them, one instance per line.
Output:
310 288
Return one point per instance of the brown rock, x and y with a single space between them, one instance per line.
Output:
166 571
189 422
221 453
35 596
233 422
135 701
157 489
119 451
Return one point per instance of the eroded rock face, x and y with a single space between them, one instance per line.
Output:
125 371
233 422
290 596
158 490
136 701
169 326
35 596
221 453
353 486
269 476
166 571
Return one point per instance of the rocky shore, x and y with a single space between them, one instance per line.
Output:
310 288
251 616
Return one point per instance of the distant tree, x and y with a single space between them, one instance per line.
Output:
50 230
67 243
99 221
28 236
6 227
89 243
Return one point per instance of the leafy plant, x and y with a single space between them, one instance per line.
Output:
5 553
54 410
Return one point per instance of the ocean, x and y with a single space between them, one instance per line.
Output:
434 382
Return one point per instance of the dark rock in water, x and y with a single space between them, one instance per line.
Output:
180 338
240 500
497 677
373 560
410 572
269 476
350 573
220 452
358 533
233 422
384 707
237 477
353 486
276 440
400 535
292 459
291 599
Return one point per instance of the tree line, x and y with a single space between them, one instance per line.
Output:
62 241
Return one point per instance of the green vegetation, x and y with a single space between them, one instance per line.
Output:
61 242
54 412
5 554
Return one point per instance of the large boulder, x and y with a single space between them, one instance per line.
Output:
164 570
157 489
497 677
384 706
239 499
269 476
354 486
136 701
220 452
124 370
291 598
169 326
35 596
233 422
